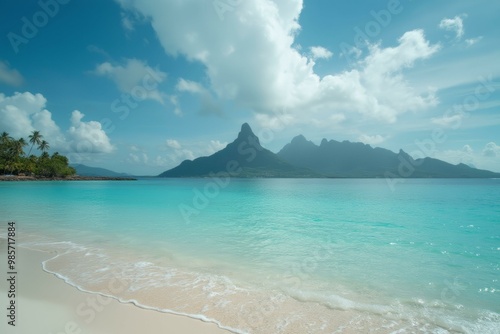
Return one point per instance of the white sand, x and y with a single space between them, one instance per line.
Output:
47 305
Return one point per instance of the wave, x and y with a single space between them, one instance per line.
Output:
240 307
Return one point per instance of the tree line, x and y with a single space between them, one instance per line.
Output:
14 160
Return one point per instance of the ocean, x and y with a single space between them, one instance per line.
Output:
276 255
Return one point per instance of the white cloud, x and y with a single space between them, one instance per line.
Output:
472 41
17 111
10 76
215 146
371 140
265 72
455 25
138 158
491 150
465 155
319 52
189 86
488 158
136 78
22 113
177 152
87 137
450 121
172 143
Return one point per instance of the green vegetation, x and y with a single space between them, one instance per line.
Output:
13 160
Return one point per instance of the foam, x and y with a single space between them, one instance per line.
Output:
222 299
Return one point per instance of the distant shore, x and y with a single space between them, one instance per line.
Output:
69 178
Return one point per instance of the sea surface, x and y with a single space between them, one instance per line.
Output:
276 255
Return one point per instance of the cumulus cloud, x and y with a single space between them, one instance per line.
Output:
88 137
491 150
16 112
371 140
22 113
250 58
135 77
455 25
319 52
10 76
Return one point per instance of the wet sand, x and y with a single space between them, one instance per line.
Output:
46 304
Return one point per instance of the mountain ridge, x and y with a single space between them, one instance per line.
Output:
244 157
347 159
301 158
88 171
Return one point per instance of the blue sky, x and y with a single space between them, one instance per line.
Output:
139 86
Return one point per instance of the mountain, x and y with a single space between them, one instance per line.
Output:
84 170
347 159
244 157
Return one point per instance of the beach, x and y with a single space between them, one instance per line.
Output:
46 304
263 256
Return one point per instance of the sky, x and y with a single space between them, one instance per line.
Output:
138 86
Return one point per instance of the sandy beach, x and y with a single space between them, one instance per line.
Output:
46 304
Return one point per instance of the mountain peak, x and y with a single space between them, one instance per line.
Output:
246 134
244 157
299 139
246 130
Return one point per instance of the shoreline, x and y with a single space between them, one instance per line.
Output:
47 304
16 178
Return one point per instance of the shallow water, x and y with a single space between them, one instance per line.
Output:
277 255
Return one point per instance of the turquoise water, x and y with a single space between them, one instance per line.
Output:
424 257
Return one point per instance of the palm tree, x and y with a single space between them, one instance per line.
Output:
5 138
35 138
44 146
5 150
19 146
